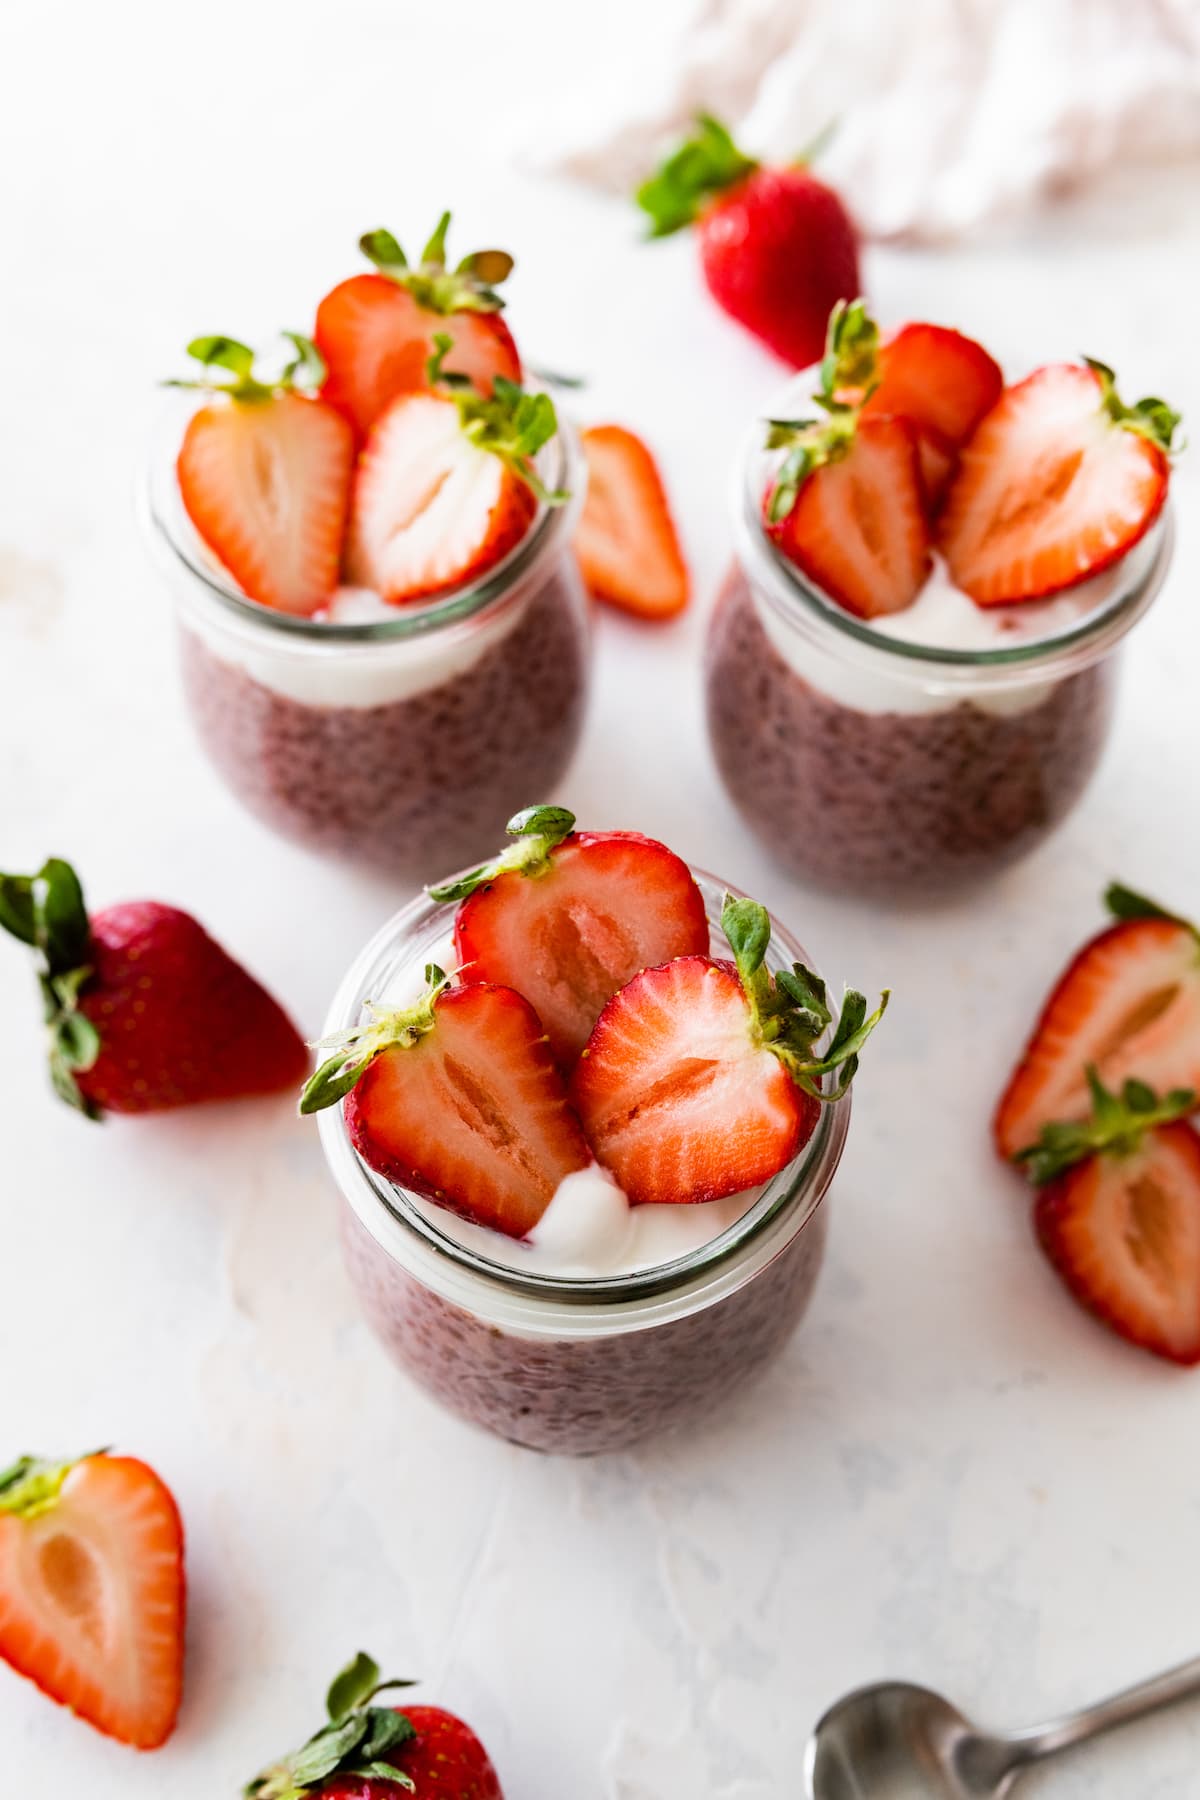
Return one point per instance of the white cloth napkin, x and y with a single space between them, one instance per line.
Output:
949 113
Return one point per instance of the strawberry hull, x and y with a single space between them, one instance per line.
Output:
584 1363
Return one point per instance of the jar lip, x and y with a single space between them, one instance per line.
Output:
800 1186
177 546
804 604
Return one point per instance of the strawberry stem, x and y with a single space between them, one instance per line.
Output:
1149 417
849 376
537 830
355 1742
471 287
47 912
508 423
1117 1125
704 164
386 1028
790 1009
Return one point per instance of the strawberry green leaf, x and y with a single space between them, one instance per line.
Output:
509 424
385 1028
303 372
1124 903
850 367
747 927
352 1687
706 163
537 831
356 1742
18 909
1117 1125
1149 418
222 353
31 1485
490 267
47 911
306 370
471 287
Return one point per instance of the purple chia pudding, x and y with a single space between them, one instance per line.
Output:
399 736
575 1365
874 763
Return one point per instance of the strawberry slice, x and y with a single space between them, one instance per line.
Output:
848 504
264 473
700 1078
1060 480
446 486
1119 1214
938 459
1128 1004
367 1752
92 1591
376 332
938 379
458 1098
628 546
567 917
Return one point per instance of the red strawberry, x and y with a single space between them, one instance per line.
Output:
1059 481
458 1098
938 459
1129 1004
628 547
938 379
264 473
446 486
368 1752
567 917
144 1010
848 505
92 1591
776 245
1119 1214
700 1078
376 332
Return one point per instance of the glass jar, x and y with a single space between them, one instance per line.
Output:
574 1365
403 742
866 762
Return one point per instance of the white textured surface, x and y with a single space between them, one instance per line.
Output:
952 1475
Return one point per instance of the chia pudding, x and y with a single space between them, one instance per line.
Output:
531 1345
388 735
918 752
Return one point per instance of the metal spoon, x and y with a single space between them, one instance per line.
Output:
896 1741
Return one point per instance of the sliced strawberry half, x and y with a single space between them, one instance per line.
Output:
1059 481
92 1591
376 332
940 380
446 486
568 917
700 1078
628 546
1128 1004
1119 1214
458 1097
848 504
938 459
264 473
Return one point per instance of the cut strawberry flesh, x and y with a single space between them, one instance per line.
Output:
1129 1005
858 527
626 541
92 1599
609 905
267 486
677 1099
938 379
1049 491
938 459
377 340
1123 1231
474 1114
431 509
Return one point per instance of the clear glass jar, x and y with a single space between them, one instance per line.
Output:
403 742
869 763
572 1365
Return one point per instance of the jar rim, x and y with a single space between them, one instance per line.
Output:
802 604
177 546
794 1194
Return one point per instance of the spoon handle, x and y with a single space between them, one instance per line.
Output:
1132 1703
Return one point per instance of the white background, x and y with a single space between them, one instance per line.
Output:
952 1475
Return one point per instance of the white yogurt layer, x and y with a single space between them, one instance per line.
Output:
589 1228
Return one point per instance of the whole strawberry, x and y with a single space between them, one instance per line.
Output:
143 1010
367 1752
777 246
